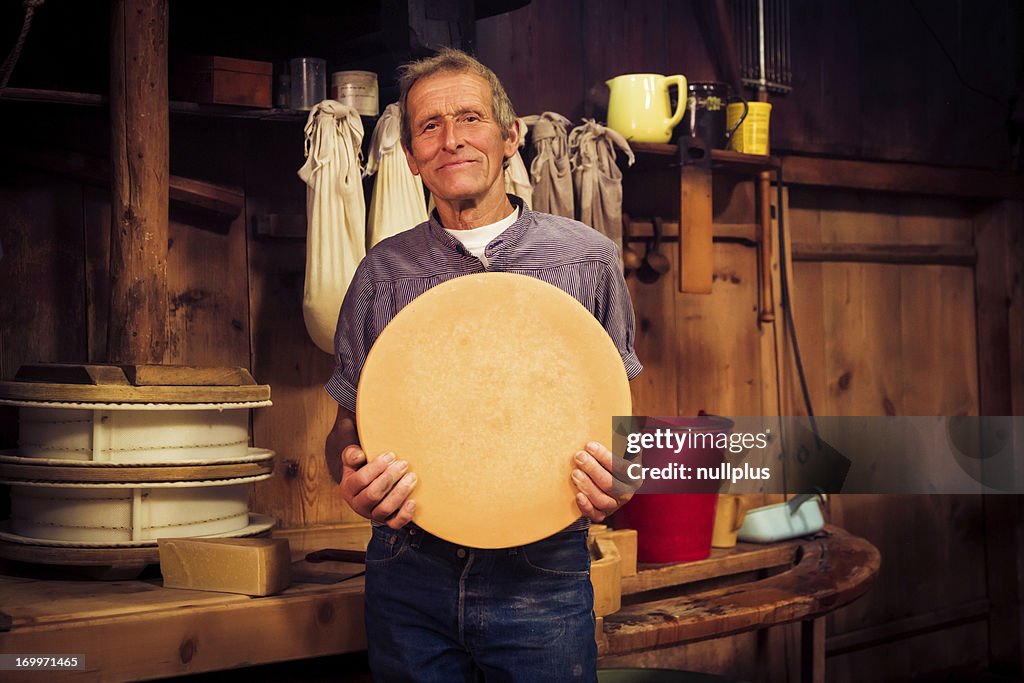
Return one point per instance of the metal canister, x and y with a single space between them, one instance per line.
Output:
357 89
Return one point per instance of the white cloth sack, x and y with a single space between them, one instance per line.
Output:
397 202
335 215
517 178
597 178
550 173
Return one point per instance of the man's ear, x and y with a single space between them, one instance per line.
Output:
512 141
413 166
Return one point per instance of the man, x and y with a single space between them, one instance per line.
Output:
436 611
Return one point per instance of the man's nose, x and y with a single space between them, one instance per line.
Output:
450 135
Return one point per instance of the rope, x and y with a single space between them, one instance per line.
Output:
12 59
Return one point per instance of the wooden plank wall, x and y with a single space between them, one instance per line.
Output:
886 339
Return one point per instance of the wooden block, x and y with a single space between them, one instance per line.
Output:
71 373
605 575
251 566
625 542
187 376
135 375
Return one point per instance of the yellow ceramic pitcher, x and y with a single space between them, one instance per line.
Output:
639 106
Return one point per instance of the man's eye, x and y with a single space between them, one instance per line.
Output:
430 126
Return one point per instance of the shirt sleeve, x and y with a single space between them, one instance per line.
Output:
352 340
615 312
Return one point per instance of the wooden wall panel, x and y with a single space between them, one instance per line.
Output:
896 340
208 294
96 217
537 52
657 345
719 354
42 310
918 658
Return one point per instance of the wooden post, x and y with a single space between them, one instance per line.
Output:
696 266
137 325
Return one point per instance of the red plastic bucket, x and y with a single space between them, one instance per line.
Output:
676 527
670 527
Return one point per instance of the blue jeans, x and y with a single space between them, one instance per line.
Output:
436 611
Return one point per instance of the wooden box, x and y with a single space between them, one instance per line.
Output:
224 80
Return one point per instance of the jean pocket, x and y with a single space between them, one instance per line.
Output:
386 545
564 554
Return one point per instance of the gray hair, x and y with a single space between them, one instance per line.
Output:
456 61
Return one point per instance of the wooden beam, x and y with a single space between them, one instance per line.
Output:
695 240
903 178
137 326
911 254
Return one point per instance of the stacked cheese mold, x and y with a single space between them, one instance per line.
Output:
115 457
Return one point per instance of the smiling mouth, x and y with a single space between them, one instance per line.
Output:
456 164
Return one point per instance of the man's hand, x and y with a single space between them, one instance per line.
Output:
378 490
597 497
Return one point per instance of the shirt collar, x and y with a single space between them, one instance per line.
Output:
510 235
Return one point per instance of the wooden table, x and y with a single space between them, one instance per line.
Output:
134 630
807 579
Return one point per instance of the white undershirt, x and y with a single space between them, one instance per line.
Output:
477 239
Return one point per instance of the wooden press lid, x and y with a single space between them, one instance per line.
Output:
100 383
488 385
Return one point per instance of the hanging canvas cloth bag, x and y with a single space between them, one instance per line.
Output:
597 178
397 202
335 215
550 173
517 178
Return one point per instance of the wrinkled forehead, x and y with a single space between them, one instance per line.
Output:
448 92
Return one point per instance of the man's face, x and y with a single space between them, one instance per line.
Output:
457 146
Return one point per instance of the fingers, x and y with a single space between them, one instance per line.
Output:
352 458
378 489
396 501
593 477
596 463
404 515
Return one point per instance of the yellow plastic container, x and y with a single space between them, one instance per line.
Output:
752 135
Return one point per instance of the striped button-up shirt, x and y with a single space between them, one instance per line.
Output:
559 251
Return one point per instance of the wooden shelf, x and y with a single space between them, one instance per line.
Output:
211 198
651 155
82 99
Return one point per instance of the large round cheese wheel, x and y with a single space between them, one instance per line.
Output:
488 385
